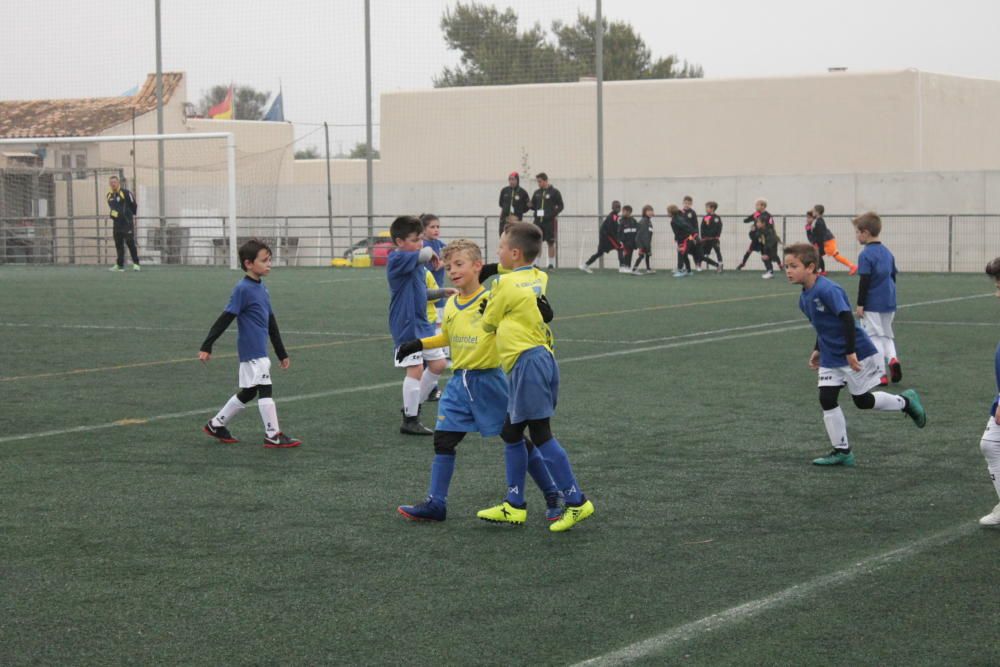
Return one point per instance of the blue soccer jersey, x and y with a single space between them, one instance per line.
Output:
823 304
877 261
407 297
250 302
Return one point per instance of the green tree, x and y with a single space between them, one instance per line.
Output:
494 52
360 151
307 153
249 101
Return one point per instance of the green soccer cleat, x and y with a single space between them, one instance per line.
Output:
914 408
504 513
135 267
572 515
116 269
836 458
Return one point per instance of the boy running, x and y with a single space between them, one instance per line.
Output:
608 239
826 241
843 356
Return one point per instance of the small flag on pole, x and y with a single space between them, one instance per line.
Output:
277 109
224 109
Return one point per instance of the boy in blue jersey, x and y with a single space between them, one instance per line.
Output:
523 344
409 295
250 306
877 291
844 355
989 445
475 399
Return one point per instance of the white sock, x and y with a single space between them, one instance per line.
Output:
991 451
269 415
886 402
411 396
836 428
877 342
428 382
889 345
232 408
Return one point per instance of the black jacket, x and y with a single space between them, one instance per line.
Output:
520 202
644 235
609 228
691 219
123 209
821 233
711 227
679 225
627 229
549 202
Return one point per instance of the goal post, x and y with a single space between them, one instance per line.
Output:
229 137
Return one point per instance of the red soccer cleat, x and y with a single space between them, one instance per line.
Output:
220 433
895 370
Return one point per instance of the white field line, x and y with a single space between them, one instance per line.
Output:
384 385
114 327
722 620
950 324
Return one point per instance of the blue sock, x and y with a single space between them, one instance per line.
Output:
441 470
562 472
540 473
516 459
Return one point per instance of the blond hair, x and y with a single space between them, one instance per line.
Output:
469 248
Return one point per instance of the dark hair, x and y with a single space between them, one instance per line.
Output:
405 225
810 214
615 202
542 175
820 209
868 222
426 219
993 268
248 251
712 205
525 236
647 207
688 198
804 252
626 207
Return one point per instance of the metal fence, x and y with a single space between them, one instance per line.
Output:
931 243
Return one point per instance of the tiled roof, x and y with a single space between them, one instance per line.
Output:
82 117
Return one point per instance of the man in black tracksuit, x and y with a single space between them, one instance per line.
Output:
547 203
608 237
123 209
514 201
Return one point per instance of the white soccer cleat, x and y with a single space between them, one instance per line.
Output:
585 268
768 275
991 519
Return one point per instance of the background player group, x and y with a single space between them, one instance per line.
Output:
698 239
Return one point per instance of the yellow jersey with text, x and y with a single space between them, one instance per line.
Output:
432 311
472 348
512 312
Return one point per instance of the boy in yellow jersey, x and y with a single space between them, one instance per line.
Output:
524 346
475 399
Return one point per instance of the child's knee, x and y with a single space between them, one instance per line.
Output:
828 397
540 430
247 394
864 401
414 372
437 366
990 448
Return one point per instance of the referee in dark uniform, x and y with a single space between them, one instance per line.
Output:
547 203
123 209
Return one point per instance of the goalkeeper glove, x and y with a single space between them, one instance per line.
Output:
408 348
545 308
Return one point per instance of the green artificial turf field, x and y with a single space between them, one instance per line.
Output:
128 536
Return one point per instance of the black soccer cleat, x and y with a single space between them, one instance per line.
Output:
220 433
895 370
281 441
412 426
434 396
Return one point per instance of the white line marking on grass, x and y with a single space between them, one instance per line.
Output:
733 615
385 385
950 324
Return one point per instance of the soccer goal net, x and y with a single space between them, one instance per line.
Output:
54 198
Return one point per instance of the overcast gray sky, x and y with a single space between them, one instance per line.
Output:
64 48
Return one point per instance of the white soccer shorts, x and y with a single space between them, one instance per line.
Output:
878 324
418 358
857 382
255 372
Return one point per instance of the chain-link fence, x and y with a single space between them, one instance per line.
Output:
931 243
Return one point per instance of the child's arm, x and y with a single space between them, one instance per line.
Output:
220 326
442 293
559 206
275 336
418 344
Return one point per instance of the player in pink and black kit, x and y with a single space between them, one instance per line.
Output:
711 234
761 213
608 240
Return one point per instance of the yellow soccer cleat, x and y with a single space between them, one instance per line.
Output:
505 513
572 516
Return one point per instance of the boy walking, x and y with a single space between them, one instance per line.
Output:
644 240
877 291
405 271
843 356
250 306
522 340
711 235
475 399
